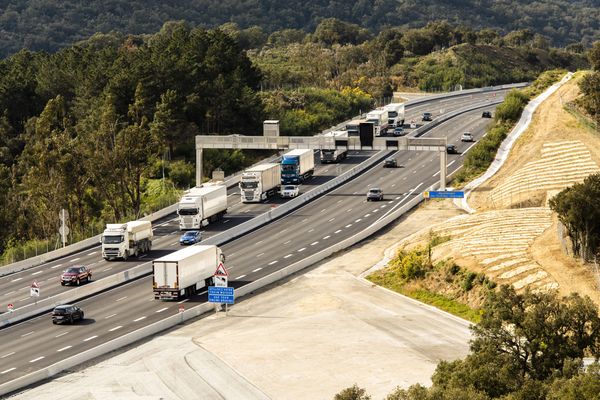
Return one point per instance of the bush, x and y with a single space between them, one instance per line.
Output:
511 108
183 174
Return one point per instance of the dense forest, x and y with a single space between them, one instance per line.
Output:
49 25
105 128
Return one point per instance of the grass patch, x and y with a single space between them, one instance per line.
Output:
443 303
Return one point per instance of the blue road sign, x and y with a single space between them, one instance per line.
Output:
223 295
444 195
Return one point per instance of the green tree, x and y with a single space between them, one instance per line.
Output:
352 393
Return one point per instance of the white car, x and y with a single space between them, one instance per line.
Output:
467 137
289 191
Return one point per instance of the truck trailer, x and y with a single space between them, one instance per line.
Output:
259 182
129 239
296 166
395 114
184 272
379 119
201 205
340 152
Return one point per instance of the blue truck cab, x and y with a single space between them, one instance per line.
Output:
296 166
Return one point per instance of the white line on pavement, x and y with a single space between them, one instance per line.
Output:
109 316
92 253
139 319
326 237
61 334
348 226
183 301
258 255
284 243
115 328
273 262
90 338
9 354
39 272
367 215
257 269
288 256
15 280
27 334
301 250
8 370
314 243
312 230
240 277
331 219
358 220
64 348
121 298
338 231
36 359
162 309
75 259
56 266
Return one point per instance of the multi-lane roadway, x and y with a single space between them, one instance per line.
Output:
37 343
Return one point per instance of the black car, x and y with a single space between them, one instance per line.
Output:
66 313
486 114
451 149
390 163
426 116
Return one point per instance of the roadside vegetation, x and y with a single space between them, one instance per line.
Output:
444 284
506 116
527 346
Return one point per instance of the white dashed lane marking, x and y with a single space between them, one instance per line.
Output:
15 280
240 277
162 309
314 243
39 272
90 338
301 250
139 319
288 256
6 355
8 370
326 237
62 334
273 262
257 269
115 328
122 298
27 334
75 259
36 359
64 348
338 231
109 316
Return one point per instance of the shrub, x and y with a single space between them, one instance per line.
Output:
183 174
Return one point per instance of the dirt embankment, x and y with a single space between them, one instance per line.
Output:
513 237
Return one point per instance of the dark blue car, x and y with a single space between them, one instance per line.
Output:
190 237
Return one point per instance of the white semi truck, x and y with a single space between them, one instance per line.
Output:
123 240
395 114
201 205
259 182
379 119
184 272
339 153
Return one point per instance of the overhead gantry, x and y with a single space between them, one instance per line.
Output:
272 141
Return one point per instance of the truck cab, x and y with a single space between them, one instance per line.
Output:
123 240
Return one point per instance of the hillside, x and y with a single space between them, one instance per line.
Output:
49 25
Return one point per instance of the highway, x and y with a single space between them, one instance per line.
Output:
37 343
15 287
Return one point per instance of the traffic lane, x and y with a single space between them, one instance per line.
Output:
120 309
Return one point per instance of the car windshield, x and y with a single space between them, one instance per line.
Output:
188 211
288 187
375 191
72 270
190 234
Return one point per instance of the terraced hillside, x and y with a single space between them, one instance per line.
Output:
561 164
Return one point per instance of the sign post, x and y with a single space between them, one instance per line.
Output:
221 295
444 195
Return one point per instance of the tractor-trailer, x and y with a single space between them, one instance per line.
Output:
297 166
395 114
259 182
184 272
341 148
129 239
201 205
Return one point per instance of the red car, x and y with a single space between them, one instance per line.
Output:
76 274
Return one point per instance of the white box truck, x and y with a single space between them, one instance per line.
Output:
296 166
259 182
339 153
395 114
184 272
201 205
123 240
